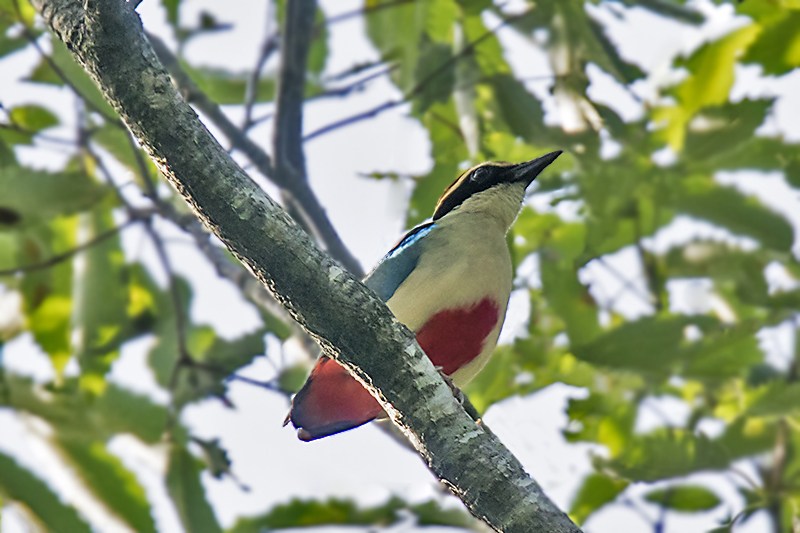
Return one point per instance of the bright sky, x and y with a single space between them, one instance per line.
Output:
365 464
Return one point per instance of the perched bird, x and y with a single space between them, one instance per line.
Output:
448 280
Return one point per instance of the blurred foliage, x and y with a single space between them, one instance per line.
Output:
83 305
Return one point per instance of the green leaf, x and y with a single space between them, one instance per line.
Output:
521 111
397 33
18 484
684 498
9 45
724 128
187 493
32 117
37 196
725 206
669 8
434 76
173 9
110 482
318 53
292 378
216 458
119 410
776 398
668 453
708 84
47 293
309 513
651 344
44 73
448 151
777 48
224 87
101 302
726 353
597 490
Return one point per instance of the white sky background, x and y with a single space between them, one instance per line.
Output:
365 464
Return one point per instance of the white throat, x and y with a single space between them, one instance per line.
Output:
502 202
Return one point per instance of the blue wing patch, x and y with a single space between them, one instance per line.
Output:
395 267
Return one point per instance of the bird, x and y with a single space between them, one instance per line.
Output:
448 280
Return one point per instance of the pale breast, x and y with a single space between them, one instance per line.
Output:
463 265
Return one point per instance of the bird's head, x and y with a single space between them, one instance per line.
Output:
494 188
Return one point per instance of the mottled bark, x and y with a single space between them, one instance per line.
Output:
349 321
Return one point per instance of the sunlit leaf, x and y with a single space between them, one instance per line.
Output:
597 490
685 498
708 84
32 117
777 48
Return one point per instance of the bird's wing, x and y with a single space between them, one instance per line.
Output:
395 267
331 400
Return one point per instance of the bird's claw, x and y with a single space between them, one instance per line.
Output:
457 394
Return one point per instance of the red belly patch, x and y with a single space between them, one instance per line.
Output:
332 401
454 337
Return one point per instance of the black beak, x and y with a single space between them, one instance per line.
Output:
527 172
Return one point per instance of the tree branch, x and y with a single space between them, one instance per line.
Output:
347 319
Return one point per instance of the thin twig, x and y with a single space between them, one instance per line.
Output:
56 259
626 283
347 89
418 88
269 45
354 118
25 131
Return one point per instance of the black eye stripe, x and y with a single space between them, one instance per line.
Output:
486 176
471 182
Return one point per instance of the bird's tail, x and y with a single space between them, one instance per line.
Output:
331 401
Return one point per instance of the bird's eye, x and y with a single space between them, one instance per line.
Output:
478 175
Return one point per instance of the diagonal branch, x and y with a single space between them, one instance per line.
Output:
347 319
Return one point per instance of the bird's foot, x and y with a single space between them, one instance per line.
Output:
461 398
457 394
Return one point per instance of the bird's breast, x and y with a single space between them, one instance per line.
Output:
452 338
